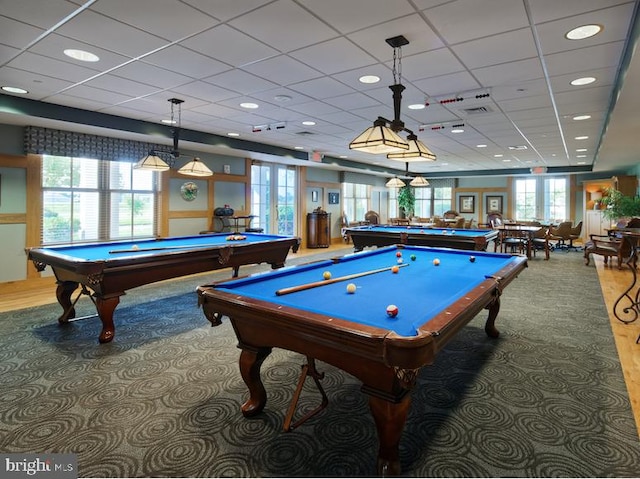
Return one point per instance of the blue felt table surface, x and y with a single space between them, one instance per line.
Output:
120 249
420 290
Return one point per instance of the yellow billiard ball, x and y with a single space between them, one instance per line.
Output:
351 288
135 246
326 275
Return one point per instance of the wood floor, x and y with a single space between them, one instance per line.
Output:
17 295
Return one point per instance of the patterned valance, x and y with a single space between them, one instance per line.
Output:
47 141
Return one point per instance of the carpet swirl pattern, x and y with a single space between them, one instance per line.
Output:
546 399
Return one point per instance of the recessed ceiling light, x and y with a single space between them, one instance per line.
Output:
81 55
583 31
581 138
282 98
416 106
582 162
581 117
309 123
249 105
298 148
498 156
481 146
506 160
457 130
369 79
581 149
583 81
233 134
14 89
169 122
581 156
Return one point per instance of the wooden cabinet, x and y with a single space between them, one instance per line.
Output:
318 231
595 223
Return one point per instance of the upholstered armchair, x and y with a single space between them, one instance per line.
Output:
561 234
450 215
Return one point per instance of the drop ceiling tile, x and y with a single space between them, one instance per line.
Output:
585 59
282 70
284 25
38 85
347 17
240 81
446 84
320 88
230 46
429 64
511 73
168 19
62 70
95 29
16 34
465 20
118 84
43 15
323 56
549 10
615 21
150 75
204 91
496 49
182 60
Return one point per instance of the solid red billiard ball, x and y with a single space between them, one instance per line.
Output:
392 310
472 259
326 275
399 254
436 262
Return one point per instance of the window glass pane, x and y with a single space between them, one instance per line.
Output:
56 224
85 173
525 199
56 172
441 200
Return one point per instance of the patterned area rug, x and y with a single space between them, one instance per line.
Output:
546 399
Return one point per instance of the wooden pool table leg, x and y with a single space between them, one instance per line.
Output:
251 360
390 418
64 290
106 307
494 309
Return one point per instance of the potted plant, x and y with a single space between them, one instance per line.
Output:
618 206
406 201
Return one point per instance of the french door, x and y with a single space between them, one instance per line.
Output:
273 198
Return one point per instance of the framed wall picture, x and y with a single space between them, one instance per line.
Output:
494 203
467 204
334 198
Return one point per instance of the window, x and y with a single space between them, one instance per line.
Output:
423 202
441 200
355 200
525 199
541 199
85 199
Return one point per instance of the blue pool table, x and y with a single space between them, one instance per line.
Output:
385 235
107 270
322 320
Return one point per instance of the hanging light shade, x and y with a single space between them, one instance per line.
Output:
417 151
395 182
151 162
379 139
419 181
195 168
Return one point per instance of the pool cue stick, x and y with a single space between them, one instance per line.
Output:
315 284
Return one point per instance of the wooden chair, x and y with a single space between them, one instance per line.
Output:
513 240
540 241
372 217
450 215
609 246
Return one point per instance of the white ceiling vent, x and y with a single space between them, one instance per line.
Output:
477 110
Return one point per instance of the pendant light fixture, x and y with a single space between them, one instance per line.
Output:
153 161
383 136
